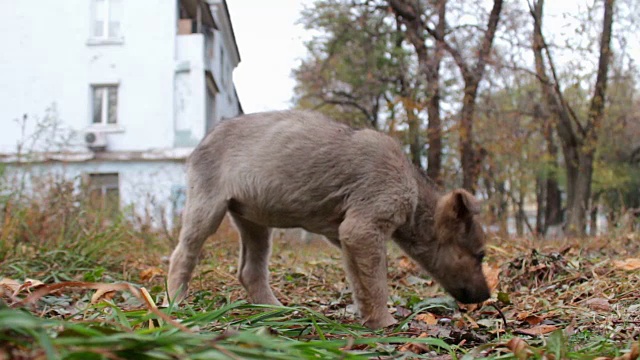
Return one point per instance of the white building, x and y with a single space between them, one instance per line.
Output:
115 92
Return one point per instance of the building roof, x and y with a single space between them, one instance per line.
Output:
233 35
223 4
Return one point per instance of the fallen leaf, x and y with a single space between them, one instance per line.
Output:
537 330
105 292
529 318
468 307
101 288
30 284
519 348
633 354
406 264
416 348
10 285
150 304
537 267
472 323
492 274
598 304
627 264
150 273
427 318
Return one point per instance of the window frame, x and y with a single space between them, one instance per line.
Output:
104 113
106 27
103 188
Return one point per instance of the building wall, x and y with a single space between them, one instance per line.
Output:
49 59
50 62
189 90
224 62
149 188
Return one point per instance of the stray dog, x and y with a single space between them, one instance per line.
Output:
355 187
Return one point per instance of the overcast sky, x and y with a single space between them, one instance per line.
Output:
271 45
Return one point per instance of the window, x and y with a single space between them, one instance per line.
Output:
104 191
105 105
107 18
222 81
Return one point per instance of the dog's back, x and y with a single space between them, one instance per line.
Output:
283 169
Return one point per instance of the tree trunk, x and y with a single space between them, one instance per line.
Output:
577 208
408 13
434 128
503 208
578 141
519 219
577 215
467 153
472 74
593 216
540 205
553 202
415 146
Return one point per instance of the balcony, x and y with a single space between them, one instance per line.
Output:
193 48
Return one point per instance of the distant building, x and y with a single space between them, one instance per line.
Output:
116 93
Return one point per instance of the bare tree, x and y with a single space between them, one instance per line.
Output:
578 138
472 74
429 61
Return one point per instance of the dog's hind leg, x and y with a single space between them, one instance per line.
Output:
253 270
201 218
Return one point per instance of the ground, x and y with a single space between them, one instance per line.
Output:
551 299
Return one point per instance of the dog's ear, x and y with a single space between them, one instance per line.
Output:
456 206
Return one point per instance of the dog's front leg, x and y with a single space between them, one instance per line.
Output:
363 245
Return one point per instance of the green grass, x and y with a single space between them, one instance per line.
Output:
237 330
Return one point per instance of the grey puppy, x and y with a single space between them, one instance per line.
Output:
356 187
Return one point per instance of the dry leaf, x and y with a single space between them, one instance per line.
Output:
598 304
537 267
531 319
407 265
30 284
150 304
472 323
492 274
427 318
10 285
537 330
417 348
150 273
106 292
519 348
468 307
627 264
633 354
101 288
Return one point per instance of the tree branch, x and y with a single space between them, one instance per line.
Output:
536 14
485 48
410 13
597 101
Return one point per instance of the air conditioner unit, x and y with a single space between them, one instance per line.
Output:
96 140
